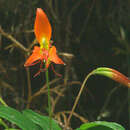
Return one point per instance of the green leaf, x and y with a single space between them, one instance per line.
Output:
17 118
11 129
101 125
78 129
42 121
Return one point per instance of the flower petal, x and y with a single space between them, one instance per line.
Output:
113 74
42 26
36 56
54 57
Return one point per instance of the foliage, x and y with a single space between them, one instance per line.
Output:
29 120
101 125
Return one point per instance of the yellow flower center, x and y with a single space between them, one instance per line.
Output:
44 44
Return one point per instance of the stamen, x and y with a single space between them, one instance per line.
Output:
35 62
55 71
41 69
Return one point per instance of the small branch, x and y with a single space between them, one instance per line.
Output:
85 22
61 118
56 7
29 31
17 43
41 91
62 91
106 103
29 84
70 12
68 16
50 5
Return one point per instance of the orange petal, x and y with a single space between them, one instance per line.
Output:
35 56
54 57
42 26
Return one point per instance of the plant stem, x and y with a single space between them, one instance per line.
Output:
3 102
3 123
77 98
49 98
128 58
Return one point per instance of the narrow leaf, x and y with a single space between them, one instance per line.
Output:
42 121
17 118
101 125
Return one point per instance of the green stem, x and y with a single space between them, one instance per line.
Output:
49 98
128 58
3 123
3 102
77 98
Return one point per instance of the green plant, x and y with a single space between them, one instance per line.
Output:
29 120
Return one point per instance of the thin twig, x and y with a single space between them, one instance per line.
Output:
49 4
106 102
62 91
85 22
29 86
41 91
72 10
10 37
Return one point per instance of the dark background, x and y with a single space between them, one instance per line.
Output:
92 33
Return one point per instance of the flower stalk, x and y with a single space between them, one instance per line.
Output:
104 71
49 98
45 53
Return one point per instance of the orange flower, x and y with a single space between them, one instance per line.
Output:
42 28
45 53
53 57
36 57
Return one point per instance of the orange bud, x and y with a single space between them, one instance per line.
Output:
113 74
